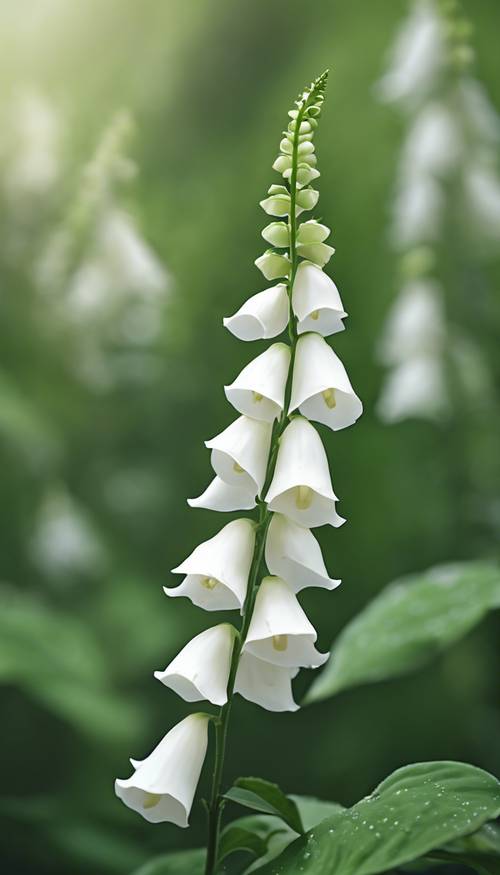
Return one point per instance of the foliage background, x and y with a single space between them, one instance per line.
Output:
208 84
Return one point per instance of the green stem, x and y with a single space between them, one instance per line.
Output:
221 722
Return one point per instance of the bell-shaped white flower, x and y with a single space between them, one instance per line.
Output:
201 670
312 232
163 785
279 629
224 497
217 570
239 453
316 301
273 264
259 390
321 388
294 554
263 316
301 488
265 684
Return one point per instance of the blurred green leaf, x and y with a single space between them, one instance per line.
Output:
178 863
408 624
266 797
234 838
415 810
54 657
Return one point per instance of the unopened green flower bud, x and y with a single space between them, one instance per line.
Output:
305 148
286 146
273 265
282 163
276 234
307 198
276 205
318 253
305 174
312 232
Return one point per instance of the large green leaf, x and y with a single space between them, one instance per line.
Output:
55 658
408 624
480 851
417 809
263 796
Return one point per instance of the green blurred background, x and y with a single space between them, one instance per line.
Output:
113 358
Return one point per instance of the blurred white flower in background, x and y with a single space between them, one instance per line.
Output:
64 541
32 148
447 193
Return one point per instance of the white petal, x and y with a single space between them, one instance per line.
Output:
321 387
316 301
223 497
201 670
263 316
279 629
301 487
415 388
163 786
217 570
259 390
265 684
240 452
294 554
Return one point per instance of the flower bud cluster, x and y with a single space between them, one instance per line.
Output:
270 456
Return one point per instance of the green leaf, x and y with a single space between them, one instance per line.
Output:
235 838
417 809
266 797
313 811
408 624
178 863
480 851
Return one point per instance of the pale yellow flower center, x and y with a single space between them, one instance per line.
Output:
280 642
315 315
257 396
209 582
329 398
150 800
238 469
303 497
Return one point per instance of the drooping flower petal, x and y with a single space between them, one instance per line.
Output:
263 316
201 670
273 265
316 301
223 497
279 629
321 388
217 570
259 390
163 785
294 554
265 684
301 488
240 452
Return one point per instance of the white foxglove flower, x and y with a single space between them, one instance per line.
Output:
224 497
279 629
433 142
265 684
163 785
416 57
294 554
415 325
263 316
482 190
240 452
321 388
316 301
273 265
417 212
301 488
217 570
416 387
201 670
259 390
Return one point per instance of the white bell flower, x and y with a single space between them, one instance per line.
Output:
294 554
163 785
321 388
265 684
217 570
263 316
240 452
301 488
316 301
415 388
224 497
279 629
201 670
273 264
259 390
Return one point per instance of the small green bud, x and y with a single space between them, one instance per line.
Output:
286 146
282 163
313 111
312 232
276 205
273 265
305 148
305 174
318 253
309 159
293 113
307 198
276 233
